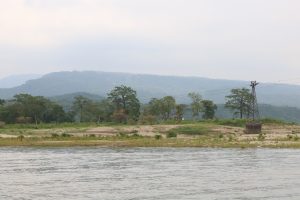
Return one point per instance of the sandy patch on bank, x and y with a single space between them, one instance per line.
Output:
143 130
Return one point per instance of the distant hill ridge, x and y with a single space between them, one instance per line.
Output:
149 86
16 80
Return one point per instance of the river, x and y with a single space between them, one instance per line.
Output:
149 173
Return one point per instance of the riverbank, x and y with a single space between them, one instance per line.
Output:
202 134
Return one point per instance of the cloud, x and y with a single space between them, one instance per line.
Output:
223 39
30 23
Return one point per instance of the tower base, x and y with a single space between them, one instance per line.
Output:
253 128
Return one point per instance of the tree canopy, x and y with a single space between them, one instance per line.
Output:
125 98
239 101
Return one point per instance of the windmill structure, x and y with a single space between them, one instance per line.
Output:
254 126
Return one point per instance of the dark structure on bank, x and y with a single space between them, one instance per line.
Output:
254 126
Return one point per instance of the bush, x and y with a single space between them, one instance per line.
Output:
134 131
148 119
232 122
158 137
136 135
54 135
65 135
261 137
273 121
122 134
191 130
172 135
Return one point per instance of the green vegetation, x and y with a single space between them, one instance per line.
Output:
231 122
239 101
197 134
118 121
199 129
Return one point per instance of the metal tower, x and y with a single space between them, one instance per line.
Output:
254 127
254 105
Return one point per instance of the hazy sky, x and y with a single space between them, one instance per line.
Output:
231 39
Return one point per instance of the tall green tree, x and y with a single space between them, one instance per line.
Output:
33 106
209 109
180 108
239 101
125 98
153 107
196 104
37 108
168 104
80 105
103 110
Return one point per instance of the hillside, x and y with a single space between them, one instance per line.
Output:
16 80
66 100
285 113
148 86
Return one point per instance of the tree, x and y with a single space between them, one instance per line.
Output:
37 108
209 109
103 110
79 105
239 101
125 98
32 106
10 112
153 107
180 111
54 113
168 104
196 104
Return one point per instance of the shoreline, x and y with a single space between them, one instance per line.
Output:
144 143
199 135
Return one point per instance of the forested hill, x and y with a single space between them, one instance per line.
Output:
149 86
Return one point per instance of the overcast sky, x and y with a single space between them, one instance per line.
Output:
232 39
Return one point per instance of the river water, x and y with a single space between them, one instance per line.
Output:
149 173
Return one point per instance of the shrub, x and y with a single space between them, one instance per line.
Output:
232 122
122 134
136 135
274 121
158 137
120 116
66 135
289 137
261 137
191 130
134 131
148 119
172 135
54 135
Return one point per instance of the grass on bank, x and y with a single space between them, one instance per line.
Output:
195 134
213 141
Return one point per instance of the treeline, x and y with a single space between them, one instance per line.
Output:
121 106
